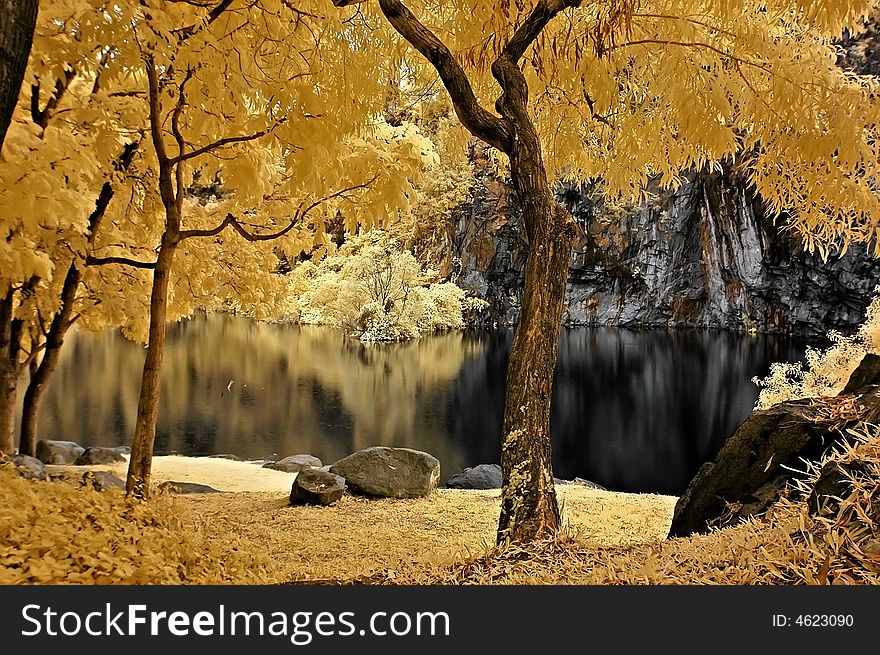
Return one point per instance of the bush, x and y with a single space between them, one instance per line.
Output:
377 292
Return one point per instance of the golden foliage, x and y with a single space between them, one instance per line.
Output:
627 91
825 372
374 290
57 532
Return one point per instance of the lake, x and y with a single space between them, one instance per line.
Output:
635 411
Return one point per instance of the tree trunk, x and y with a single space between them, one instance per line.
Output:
141 461
8 377
40 376
17 21
529 509
9 369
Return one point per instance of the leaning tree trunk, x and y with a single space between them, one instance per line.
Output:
17 21
140 463
51 353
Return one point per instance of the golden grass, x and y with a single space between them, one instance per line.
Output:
59 532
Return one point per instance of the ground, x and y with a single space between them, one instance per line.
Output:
359 536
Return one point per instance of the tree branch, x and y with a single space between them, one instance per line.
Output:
125 261
483 124
233 222
220 143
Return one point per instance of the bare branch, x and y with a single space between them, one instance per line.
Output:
233 222
125 261
220 143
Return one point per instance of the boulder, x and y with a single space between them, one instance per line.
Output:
187 488
482 476
390 472
122 450
294 463
102 481
754 466
314 487
834 484
30 468
98 455
58 452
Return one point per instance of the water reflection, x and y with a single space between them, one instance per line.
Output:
635 411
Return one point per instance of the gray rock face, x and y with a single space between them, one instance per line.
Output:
187 488
708 255
294 463
97 455
314 487
58 452
102 481
482 476
390 472
30 468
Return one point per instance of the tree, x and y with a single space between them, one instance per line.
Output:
258 165
625 89
17 22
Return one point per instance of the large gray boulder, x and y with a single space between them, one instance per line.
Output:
390 472
294 463
98 455
482 476
58 452
314 487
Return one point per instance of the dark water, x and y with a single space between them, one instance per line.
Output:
633 411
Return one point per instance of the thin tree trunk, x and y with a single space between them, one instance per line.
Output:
8 375
41 374
18 18
141 461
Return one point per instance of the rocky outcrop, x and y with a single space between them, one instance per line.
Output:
755 465
390 472
706 255
314 487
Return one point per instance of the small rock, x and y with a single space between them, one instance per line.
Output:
102 481
98 455
390 472
30 468
234 458
294 463
187 488
314 487
587 483
483 476
58 452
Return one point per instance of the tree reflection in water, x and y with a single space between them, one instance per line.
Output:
635 411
